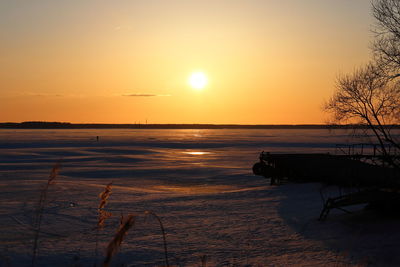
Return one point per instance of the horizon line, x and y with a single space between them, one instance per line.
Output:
66 125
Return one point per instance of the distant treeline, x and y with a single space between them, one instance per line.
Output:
67 125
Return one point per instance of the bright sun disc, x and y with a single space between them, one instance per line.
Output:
198 80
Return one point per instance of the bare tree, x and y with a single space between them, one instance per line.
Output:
371 94
370 97
387 44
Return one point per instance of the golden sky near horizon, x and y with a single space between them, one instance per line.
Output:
266 61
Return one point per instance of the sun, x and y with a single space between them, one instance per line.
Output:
198 80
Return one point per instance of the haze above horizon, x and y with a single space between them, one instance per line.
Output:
257 62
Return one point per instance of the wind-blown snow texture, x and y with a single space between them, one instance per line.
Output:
199 182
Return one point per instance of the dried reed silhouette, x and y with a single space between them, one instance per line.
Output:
102 215
203 259
125 224
163 234
115 244
39 212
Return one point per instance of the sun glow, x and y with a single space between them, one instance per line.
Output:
198 80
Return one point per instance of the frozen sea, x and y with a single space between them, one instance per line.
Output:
199 182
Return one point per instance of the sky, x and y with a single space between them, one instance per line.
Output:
93 61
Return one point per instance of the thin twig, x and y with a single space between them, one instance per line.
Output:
41 206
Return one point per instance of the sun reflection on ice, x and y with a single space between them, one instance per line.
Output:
196 152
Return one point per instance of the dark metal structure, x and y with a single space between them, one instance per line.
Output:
359 167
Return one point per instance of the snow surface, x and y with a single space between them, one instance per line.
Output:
199 182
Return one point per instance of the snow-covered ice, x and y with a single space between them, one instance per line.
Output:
199 182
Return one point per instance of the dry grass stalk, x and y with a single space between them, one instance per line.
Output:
163 235
54 172
103 215
115 243
121 220
39 212
203 261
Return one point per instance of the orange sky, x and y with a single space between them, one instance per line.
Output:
267 61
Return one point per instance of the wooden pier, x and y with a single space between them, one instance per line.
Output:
374 182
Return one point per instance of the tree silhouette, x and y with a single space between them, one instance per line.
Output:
368 96
371 94
386 47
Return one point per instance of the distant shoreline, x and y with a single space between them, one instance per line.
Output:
67 125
